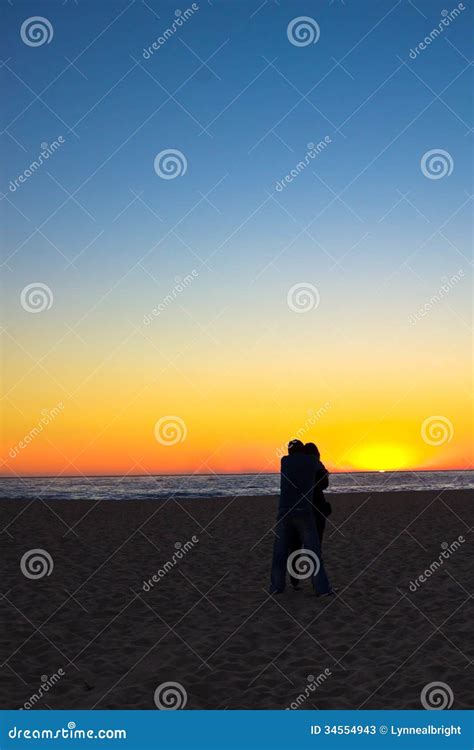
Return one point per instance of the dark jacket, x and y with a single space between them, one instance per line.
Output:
297 481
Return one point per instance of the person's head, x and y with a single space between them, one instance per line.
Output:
312 449
295 446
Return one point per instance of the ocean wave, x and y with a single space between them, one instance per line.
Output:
194 487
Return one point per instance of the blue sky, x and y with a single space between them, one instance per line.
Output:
250 37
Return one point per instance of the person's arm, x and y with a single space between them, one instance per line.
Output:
322 479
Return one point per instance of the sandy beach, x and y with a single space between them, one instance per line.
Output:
207 622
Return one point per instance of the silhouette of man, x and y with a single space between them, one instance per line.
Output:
321 508
295 516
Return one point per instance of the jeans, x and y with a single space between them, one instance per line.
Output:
297 543
303 523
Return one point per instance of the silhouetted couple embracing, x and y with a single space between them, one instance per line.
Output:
302 514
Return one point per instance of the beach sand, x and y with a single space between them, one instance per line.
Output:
209 624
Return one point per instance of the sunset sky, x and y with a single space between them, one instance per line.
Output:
377 384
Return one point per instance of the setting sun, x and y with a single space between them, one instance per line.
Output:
383 457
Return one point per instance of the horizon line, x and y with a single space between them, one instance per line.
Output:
224 474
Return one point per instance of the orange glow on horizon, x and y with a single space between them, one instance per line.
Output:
238 414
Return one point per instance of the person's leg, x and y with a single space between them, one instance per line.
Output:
280 555
295 543
320 525
320 580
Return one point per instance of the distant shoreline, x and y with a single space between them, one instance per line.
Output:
341 495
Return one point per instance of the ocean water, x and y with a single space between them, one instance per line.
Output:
220 485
